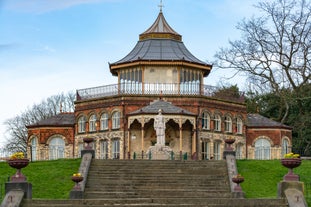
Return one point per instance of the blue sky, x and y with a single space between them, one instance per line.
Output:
52 46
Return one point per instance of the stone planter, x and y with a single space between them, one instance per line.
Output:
77 180
238 180
291 163
88 140
18 164
229 142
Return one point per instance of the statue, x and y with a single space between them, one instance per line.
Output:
159 126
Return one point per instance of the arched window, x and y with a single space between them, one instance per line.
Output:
104 121
115 149
92 123
217 123
116 120
262 149
285 147
34 148
104 149
81 124
228 124
239 126
206 121
56 148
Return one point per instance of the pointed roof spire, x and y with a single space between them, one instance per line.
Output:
160 29
161 6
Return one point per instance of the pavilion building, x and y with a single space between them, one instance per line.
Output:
159 73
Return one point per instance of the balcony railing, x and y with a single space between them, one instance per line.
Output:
183 89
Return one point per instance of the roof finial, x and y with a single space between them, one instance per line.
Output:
161 6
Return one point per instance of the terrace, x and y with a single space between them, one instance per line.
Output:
180 89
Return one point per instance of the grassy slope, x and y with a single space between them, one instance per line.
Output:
262 177
51 179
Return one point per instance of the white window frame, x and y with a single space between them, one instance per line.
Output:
206 121
104 121
228 124
56 148
217 122
81 124
116 149
239 126
285 147
92 123
206 150
104 146
262 149
217 152
34 148
116 120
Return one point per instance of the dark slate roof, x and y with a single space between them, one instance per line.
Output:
256 120
62 119
160 49
167 108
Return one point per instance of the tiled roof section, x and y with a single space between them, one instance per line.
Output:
167 108
160 49
257 120
160 26
62 119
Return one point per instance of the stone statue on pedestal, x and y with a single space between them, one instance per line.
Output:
159 126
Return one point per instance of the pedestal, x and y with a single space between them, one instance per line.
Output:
24 186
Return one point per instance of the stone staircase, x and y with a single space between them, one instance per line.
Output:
143 183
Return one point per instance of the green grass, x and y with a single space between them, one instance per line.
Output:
51 179
262 176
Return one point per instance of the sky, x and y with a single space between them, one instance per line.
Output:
48 47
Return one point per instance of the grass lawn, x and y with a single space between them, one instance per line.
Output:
49 179
262 177
52 179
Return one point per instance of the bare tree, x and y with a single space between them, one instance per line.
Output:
274 50
16 126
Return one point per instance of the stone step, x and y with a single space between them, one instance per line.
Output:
144 202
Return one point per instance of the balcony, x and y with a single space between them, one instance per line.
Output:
183 89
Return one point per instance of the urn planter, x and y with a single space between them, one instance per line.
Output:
88 140
229 142
291 163
18 164
238 180
77 180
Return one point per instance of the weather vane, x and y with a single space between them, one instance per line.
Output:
161 6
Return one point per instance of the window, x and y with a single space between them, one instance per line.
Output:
206 152
34 148
217 150
116 149
92 123
239 151
104 149
116 120
104 121
205 121
56 148
228 124
81 124
217 123
285 147
262 149
239 126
